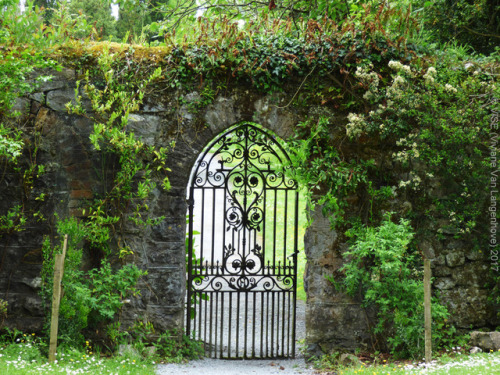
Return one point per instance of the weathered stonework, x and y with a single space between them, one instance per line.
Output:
332 319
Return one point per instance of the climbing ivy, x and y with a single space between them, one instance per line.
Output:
136 163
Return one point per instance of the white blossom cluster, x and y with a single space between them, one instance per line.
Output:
430 75
356 125
399 67
413 181
449 88
397 89
368 78
411 151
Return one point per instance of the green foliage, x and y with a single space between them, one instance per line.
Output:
311 150
472 23
383 272
26 350
173 348
90 297
3 311
113 100
438 119
180 17
97 14
25 359
26 45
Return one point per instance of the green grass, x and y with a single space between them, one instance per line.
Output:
283 241
455 364
26 358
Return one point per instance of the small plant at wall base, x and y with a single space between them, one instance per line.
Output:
383 271
91 299
3 311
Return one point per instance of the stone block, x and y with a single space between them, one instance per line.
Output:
444 283
485 340
144 126
455 259
166 318
331 326
440 260
221 114
427 249
171 253
474 254
81 194
468 306
474 274
441 271
167 283
171 205
57 99
169 230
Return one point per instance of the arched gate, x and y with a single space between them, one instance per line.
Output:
242 247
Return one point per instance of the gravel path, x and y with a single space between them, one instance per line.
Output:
254 367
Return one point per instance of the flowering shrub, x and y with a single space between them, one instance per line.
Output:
436 120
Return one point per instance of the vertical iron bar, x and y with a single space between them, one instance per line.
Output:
237 324
222 312
274 228
285 222
254 325
262 313
246 325
202 228
278 322
264 231
190 261
229 324
205 325
216 322
267 324
283 326
211 323
212 261
272 325
288 320
294 258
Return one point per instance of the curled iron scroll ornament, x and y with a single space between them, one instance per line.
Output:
267 283
235 263
245 162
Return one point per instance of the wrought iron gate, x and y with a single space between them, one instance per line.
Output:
242 247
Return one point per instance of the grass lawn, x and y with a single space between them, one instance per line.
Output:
20 359
455 364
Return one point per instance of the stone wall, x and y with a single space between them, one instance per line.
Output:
333 320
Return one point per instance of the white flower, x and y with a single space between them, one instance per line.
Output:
356 125
398 81
430 75
431 71
368 95
449 88
368 78
397 66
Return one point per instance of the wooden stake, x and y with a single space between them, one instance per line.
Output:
427 310
56 300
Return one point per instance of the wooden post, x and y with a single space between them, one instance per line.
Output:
56 300
427 310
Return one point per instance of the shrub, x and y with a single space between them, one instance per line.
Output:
90 297
383 272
